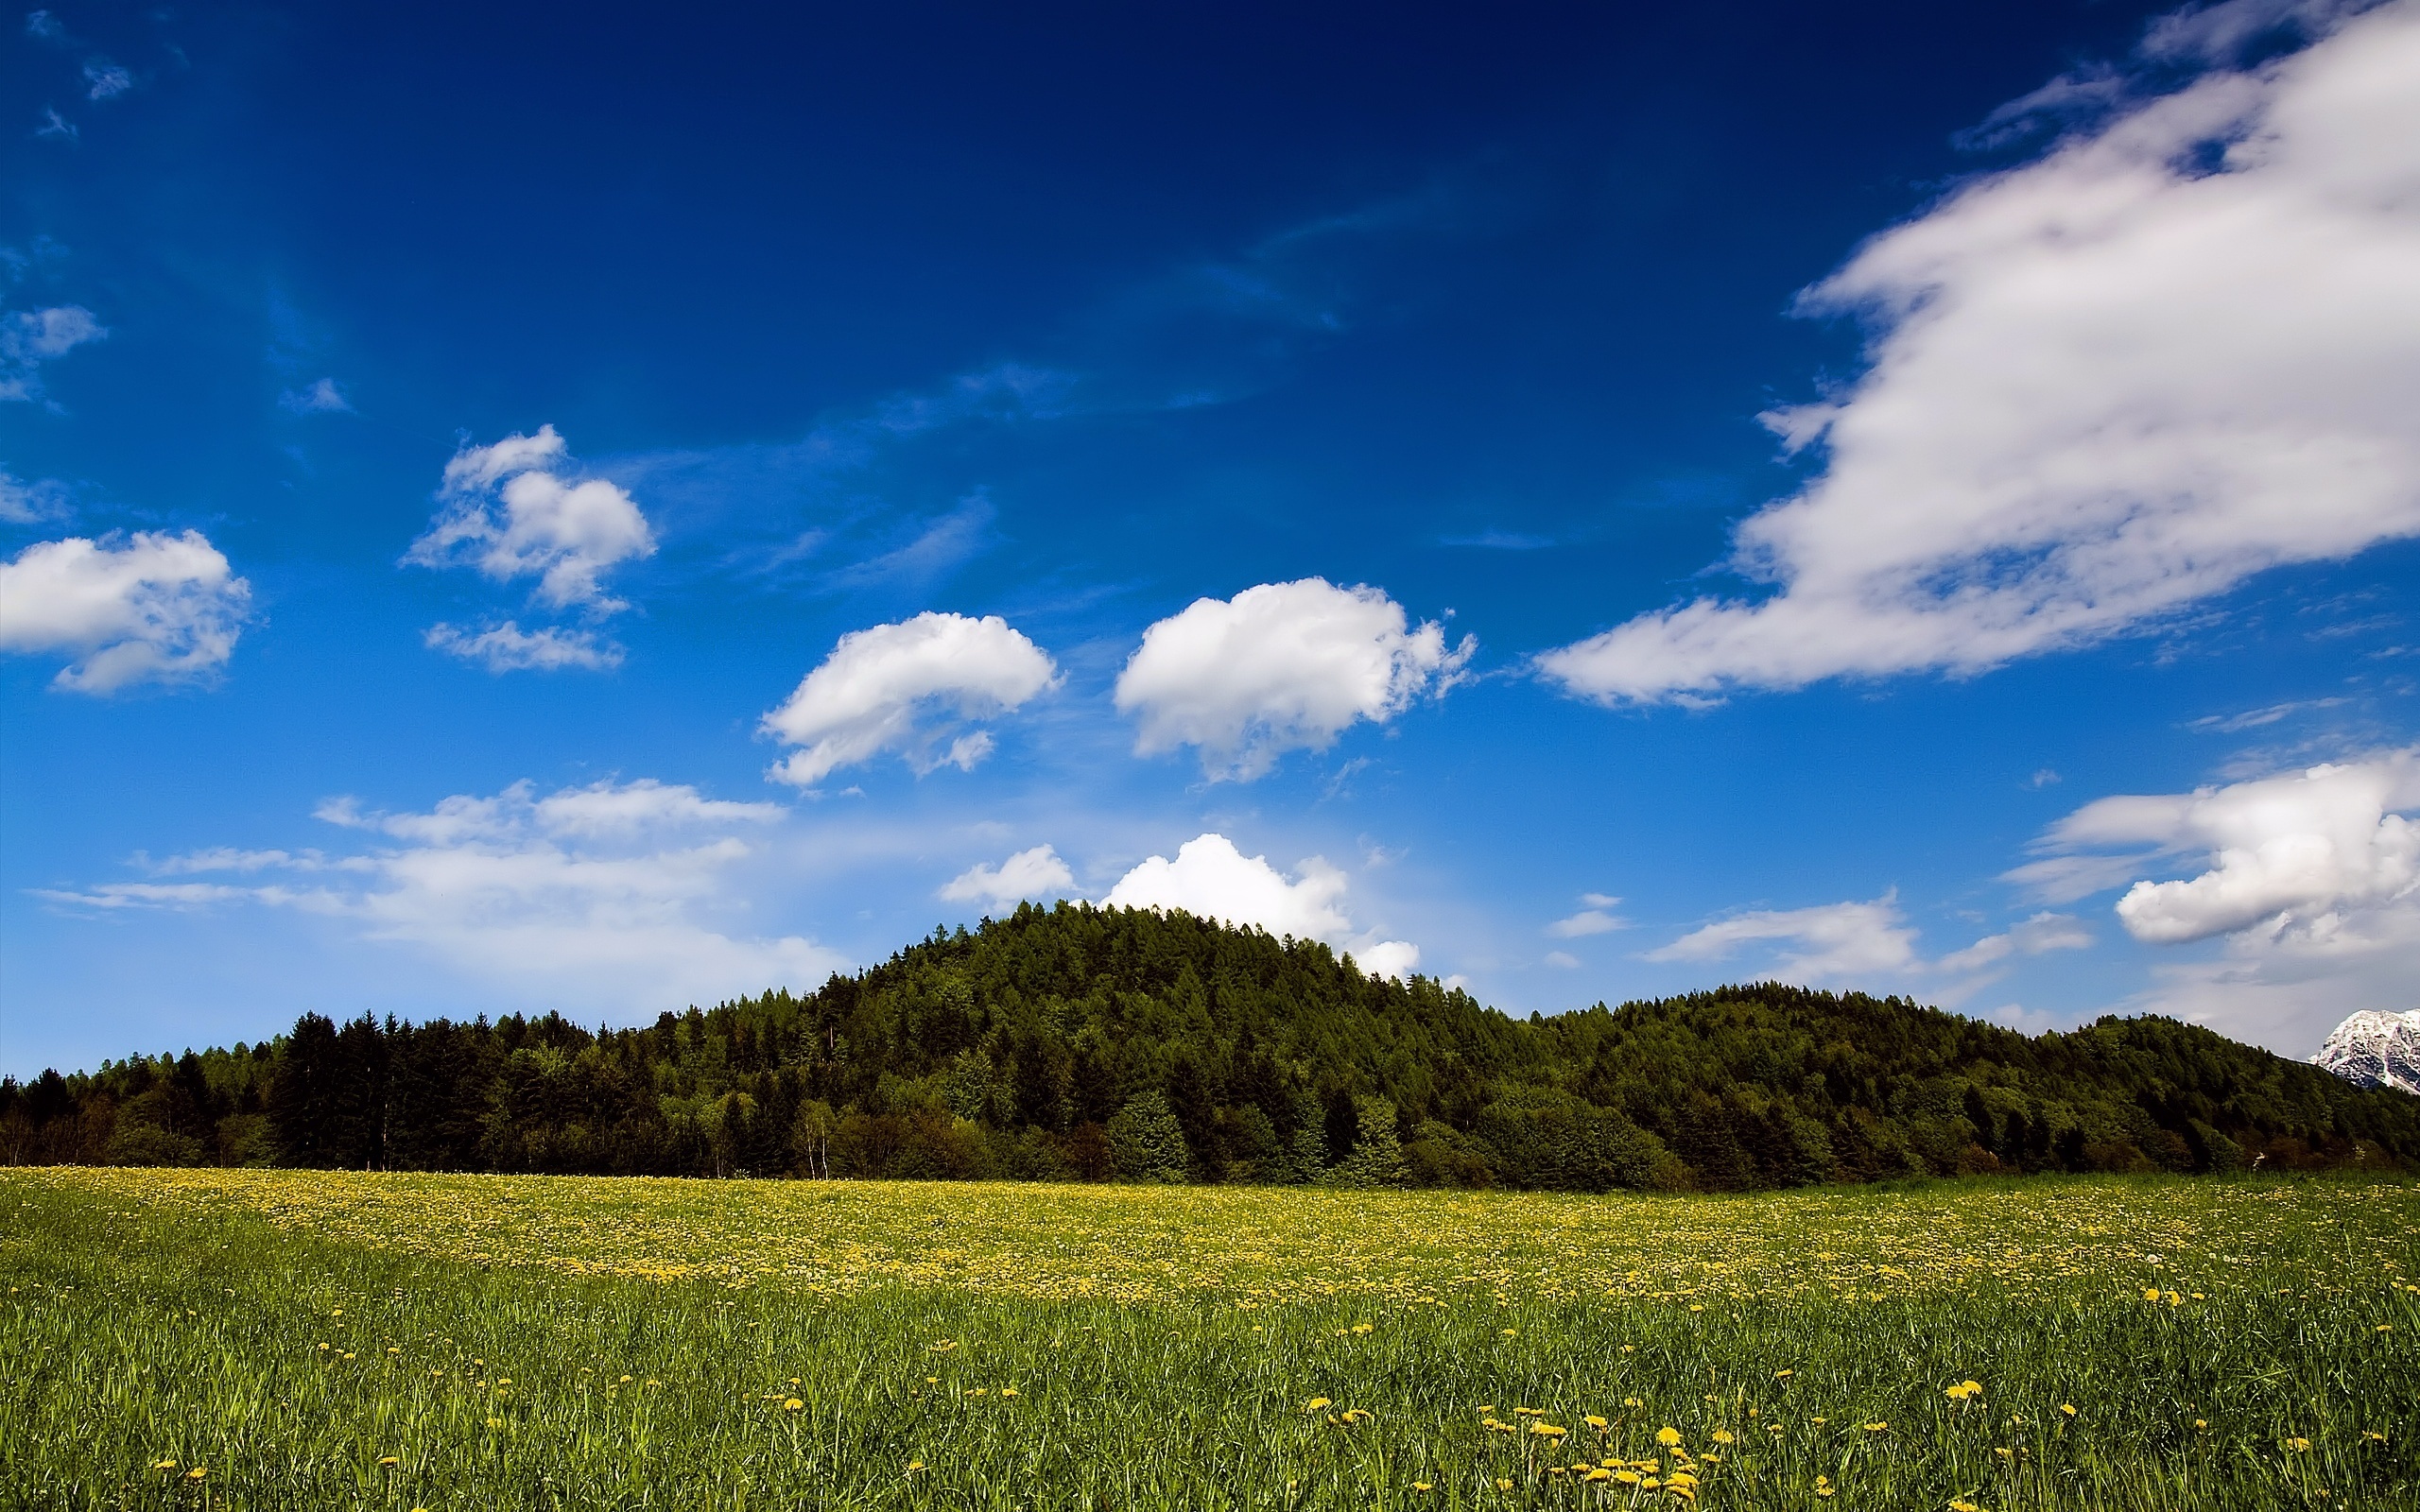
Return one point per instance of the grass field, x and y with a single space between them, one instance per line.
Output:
312 1339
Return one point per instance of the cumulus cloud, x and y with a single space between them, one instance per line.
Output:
146 607
906 688
2309 881
325 397
29 338
512 510
1863 940
616 893
1037 874
1280 667
2302 852
510 648
2176 349
1211 879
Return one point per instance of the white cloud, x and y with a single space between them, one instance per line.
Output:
613 894
1211 879
105 80
2103 385
29 338
903 688
1834 939
510 648
324 397
150 607
2043 931
1279 667
1854 940
1564 960
1037 874
509 510
26 504
2300 851
2309 880
1597 918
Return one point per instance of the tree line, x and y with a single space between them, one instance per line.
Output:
1085 1043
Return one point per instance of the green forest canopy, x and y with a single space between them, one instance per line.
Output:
1085 1043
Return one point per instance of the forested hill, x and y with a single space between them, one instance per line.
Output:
1085 1043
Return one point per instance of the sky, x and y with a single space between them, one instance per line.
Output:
509 510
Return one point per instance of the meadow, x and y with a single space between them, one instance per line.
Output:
271 1339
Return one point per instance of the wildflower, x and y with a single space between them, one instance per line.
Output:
1315 1404
1960 1504
1008 1391
792 1404
1509 1333
1625 1477
1722 1435
385 1459
2201 1422
166 1465
1599 1473
1697 1307
1547 1429
196 1473
1363 1328
1783 1375
1668 1438
2150 1293
2300 1446
1502 1485
1633 1401
1594 1421
1875 1428
1487 1406
915 1465
1420 1486
2068 1407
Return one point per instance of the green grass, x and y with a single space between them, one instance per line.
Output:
164 1316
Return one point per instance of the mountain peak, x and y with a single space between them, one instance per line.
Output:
2374 1049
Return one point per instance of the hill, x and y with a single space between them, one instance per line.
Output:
1076 1042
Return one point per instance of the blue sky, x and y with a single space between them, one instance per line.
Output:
508 512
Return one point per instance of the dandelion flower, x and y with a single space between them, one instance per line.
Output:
385 1459
1008 1391
196 1473
2300 1446
792 1404
1315 1404
166 1465
1722 1435
1875 1428
1668 1438
1420 1486
2068 1407
1593 1420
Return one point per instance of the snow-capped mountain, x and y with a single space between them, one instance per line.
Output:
2375 1050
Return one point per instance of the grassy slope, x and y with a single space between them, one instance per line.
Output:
154 1315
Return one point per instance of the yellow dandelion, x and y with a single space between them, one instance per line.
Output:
2300 1446
1502 1485
1783 1375
1421 1485
196 1473
1722 1435
1875 1428
1593 1420
1008 1391
1633 1401
915 1465
2069 1408
1668 1438
166 1465
1315 1404
792 1404
386 1459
